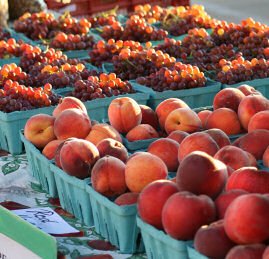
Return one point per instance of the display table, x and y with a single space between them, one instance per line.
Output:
18 189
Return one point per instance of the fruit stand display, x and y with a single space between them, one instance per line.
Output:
152 127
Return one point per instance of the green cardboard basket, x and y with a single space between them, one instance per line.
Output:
72 194
12 123
159 245
40 167
116 223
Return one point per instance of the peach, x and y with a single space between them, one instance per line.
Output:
108 176
72 123
127 198
255 142
200 173
252 159
248 90
228 98
124 113
260 120
198 141
167 106
266 253
249 179
225 199
219 136
149 116
69 102
183 119
57 157
39 130
246 219
178 135
78 156
152 199
225 119
102 131
203 115
233 156
265 157
212 241
143 169
167 150
49 150
184 213
249 106
142 131
252 251
112 147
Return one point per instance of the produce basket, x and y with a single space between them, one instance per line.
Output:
72 194
12 123
116 223
194 97
138 145
160 245
40 167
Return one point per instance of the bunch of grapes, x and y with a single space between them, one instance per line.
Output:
98 21
240 70
136 29
72 42
100 87
12 48
4 35
16 97
45 26
171 47
129 64
180 77
103 53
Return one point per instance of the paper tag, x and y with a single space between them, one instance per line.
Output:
10 249
46 219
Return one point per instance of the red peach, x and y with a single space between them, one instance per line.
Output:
184 213
69 103
266 253
183 119
152 199
260 120
233 156
200 173
167 150
108 176
252 251
102 131
225 119
167 106
198 141
39 130
246 219
228 98
252 159
72 123
178 135
265 157
143 169
149 116
112 147
57 157
203 115
225 199
142 131
249 179
212 241
124 114
78 156
127 198
219 136
249 106
255 142
248 90
49 150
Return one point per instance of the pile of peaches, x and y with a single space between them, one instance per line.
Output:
218 197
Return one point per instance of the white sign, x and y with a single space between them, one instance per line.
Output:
46 219
10 249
